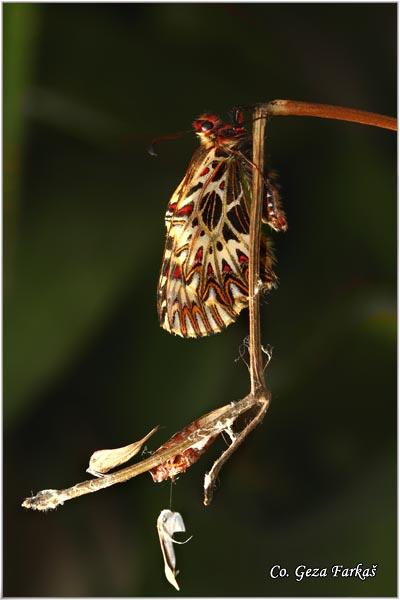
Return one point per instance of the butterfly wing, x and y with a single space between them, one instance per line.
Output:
203 283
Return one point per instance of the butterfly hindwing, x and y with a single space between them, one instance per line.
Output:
203 283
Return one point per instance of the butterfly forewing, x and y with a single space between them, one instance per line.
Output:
203 283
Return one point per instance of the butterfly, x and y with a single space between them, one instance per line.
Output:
203 284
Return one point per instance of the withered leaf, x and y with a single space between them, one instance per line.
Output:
169 523
103 461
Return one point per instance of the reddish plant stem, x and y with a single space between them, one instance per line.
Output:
295 108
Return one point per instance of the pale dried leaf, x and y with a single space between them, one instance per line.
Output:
169 523
103 461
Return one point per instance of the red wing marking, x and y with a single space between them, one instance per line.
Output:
225 267
184 211
177 272
205 171
199 255
242 257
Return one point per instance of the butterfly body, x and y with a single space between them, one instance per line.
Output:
203 282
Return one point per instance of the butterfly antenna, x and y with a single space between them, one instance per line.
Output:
164 138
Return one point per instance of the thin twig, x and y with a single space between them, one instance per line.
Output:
259 392
211 477
295 108
49 499
255 351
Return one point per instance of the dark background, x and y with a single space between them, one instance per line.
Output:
86 365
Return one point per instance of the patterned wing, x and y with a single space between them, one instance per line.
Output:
203 283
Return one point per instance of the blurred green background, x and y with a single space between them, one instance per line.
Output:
86 365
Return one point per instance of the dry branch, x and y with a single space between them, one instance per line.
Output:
211 424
